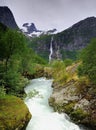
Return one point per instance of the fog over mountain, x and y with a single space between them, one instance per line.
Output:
48 14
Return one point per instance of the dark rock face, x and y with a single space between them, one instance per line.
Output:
7 18
30 28
51 31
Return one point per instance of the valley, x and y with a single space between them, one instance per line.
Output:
68 58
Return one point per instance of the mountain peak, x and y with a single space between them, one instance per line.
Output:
90 21
7 18
30 28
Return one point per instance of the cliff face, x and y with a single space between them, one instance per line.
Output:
68 42
7 18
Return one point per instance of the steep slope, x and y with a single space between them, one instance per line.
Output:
68 42
7 18
77 36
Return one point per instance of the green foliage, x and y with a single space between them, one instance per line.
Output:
2 91
79 114
69 54
69 107
15 81
16 58
39 60
11 42
59 71
68 62
88 57
40 41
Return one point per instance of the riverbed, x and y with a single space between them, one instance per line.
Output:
43 116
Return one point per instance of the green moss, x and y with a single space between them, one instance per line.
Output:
79 115
69 107
13 113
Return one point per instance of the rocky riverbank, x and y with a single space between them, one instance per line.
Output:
14 114
77 98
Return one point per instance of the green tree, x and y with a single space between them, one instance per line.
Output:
88 66
16 58
12 50
12 42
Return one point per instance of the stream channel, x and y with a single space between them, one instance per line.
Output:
43 116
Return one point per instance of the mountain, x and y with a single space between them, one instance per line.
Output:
77 36
31 30
68 42
7 18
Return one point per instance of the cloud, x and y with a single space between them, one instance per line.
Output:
48 14
2 2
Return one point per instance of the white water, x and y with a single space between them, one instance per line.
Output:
43 116
51 50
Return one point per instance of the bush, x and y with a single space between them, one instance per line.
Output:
2 91
79 114
68 62
59 71
88 57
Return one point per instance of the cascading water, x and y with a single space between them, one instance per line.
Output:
43 116
51 50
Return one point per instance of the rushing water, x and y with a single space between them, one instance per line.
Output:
51 50
43 116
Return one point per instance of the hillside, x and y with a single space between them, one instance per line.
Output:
68 42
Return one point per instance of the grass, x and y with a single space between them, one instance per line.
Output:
13 113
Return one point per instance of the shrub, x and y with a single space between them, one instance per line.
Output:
79 114
59 71
88 57
68 62
2 91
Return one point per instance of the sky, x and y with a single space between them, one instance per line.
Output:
49 14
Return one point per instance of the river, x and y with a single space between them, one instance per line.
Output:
43 116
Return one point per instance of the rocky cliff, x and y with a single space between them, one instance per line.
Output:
68 42
7 18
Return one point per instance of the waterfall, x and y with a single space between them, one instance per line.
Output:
51 49
43 116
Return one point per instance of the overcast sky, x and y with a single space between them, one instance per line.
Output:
49 14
